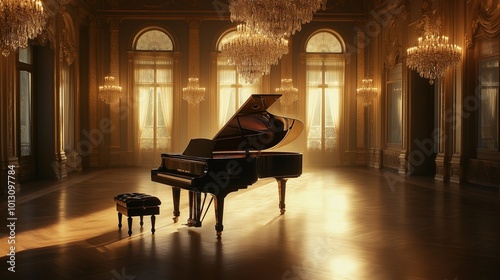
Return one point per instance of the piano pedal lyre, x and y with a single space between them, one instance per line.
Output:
197 210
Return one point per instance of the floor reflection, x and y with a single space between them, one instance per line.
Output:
343 223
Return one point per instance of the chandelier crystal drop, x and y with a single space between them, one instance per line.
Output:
20 20
289 94
277 18
193 93
110 92
433 54
367 92
253 53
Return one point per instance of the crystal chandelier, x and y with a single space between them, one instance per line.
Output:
110 92
433 54
20 20
289 94
193 93
277 18
253 53
367 92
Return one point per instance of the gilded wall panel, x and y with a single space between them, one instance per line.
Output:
483 172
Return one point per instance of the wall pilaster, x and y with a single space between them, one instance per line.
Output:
59 163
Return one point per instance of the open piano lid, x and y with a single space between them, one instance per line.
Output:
253 128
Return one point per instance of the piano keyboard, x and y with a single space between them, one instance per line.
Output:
175 178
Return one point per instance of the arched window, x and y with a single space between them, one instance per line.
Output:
154 40
232 91
153 69
325 67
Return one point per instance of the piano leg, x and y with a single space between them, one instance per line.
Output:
282 192
219 209
219 213
176 195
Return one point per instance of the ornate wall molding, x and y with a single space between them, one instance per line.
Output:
390 159
393 45
483 172
69 42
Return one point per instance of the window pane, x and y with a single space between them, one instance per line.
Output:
25 111
488 110
153 81
25 55
324 42
395 112
154 40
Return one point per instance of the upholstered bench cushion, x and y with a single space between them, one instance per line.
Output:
139 200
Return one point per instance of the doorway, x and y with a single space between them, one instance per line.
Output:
423 121
27 127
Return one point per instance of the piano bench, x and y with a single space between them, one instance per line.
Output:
137 204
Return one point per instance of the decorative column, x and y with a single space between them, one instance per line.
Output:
94 149
59 163
450 133
289 94
193 116
114 68
375 151
360 108
457 28
405 105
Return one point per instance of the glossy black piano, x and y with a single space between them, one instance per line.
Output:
234 159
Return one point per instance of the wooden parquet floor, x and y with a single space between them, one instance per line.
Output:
340 223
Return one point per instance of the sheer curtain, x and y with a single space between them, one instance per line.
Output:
314 78
227 90
165 94
334 78
143 77
232 94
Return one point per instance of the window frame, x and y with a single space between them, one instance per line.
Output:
394 76
482 55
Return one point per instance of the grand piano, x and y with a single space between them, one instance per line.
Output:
234 159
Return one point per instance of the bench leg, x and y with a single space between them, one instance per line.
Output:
119 220
142 222
153 220
129 226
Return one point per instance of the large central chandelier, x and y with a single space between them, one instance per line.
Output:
276 18
110 92
367 92
20 20
193 93
433 54
253 53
